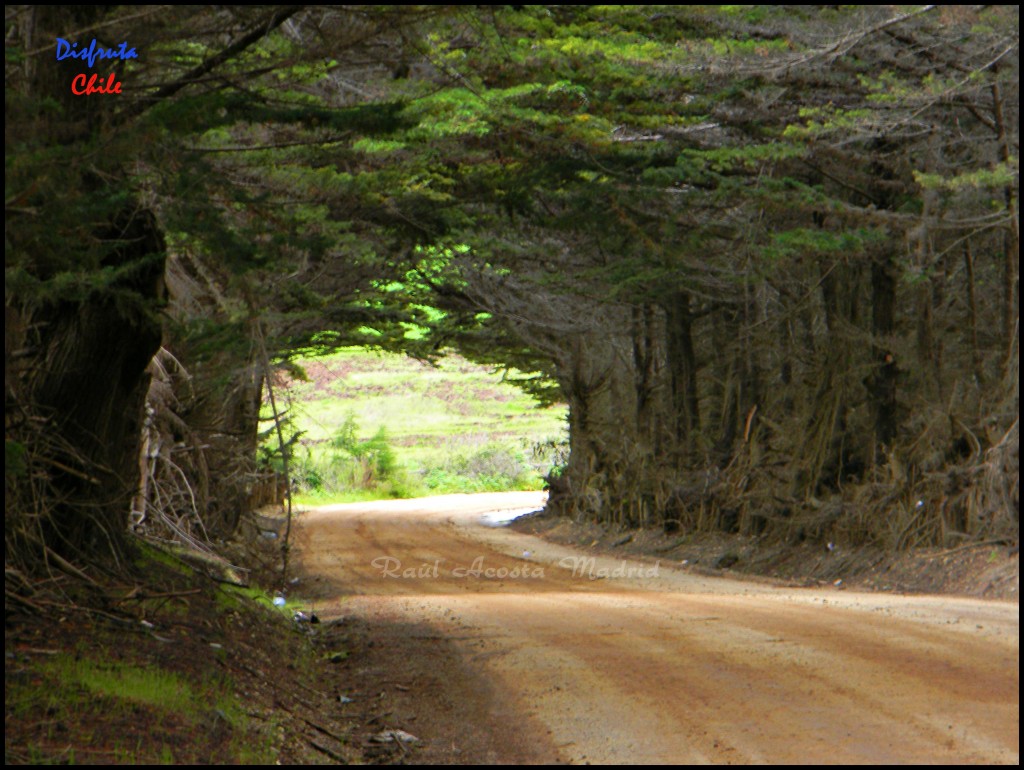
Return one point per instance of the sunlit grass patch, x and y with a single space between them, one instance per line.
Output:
150 686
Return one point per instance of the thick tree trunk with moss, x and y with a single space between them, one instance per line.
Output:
74 402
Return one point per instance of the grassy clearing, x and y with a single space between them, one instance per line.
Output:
378 425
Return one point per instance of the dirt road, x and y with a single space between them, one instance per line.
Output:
561 657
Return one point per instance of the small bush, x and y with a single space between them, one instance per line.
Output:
349 464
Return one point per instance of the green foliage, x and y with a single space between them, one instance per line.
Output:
805 241
750 158
999 176
15 464
819 121
353 465
378 146
374 456
492 468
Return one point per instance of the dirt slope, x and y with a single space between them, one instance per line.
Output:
513 649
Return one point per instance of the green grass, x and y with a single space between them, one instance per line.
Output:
378 425
232 597
92 691
154 687
177 688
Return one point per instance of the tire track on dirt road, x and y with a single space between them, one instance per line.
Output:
664 666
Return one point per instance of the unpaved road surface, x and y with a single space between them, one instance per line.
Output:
568 659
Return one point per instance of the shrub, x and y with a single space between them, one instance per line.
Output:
347 463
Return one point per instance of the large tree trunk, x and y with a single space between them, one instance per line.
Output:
682 365
621 465
882 382
84 324
200 462
75 404
225 424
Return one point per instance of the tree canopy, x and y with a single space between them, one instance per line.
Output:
767 254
